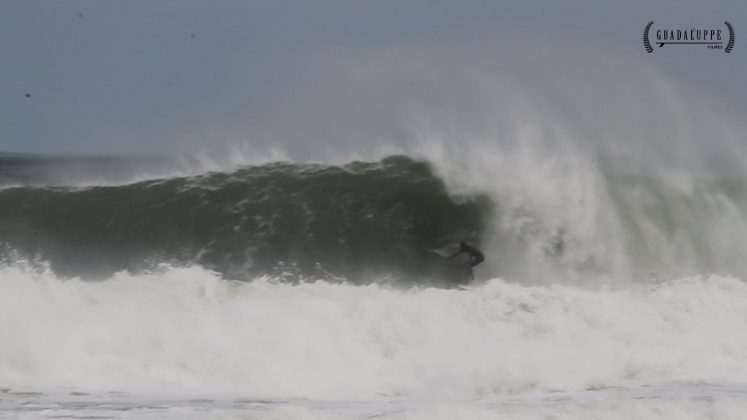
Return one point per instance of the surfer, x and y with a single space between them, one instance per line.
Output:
475 257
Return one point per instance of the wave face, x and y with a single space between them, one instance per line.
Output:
359 221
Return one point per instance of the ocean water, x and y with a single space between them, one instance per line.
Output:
314 291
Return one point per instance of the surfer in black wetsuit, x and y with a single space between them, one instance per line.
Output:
475 257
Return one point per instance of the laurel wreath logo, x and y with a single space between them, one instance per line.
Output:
730 45
646 43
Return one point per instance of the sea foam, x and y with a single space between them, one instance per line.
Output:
187 330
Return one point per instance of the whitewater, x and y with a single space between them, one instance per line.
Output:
182 342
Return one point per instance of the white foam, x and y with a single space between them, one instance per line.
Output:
679 401
184 329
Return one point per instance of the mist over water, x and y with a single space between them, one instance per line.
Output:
603 169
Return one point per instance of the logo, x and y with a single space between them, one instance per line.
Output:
712 38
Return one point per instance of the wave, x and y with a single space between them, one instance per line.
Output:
357 220
536 218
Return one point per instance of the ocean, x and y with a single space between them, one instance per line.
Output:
150 288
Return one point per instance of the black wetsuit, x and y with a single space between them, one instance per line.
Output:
473 252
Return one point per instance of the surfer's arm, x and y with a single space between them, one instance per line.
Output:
458 252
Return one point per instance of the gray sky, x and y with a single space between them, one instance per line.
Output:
183 76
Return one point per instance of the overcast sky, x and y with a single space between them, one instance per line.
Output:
183 76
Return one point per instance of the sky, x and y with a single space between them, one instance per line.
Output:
143 77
